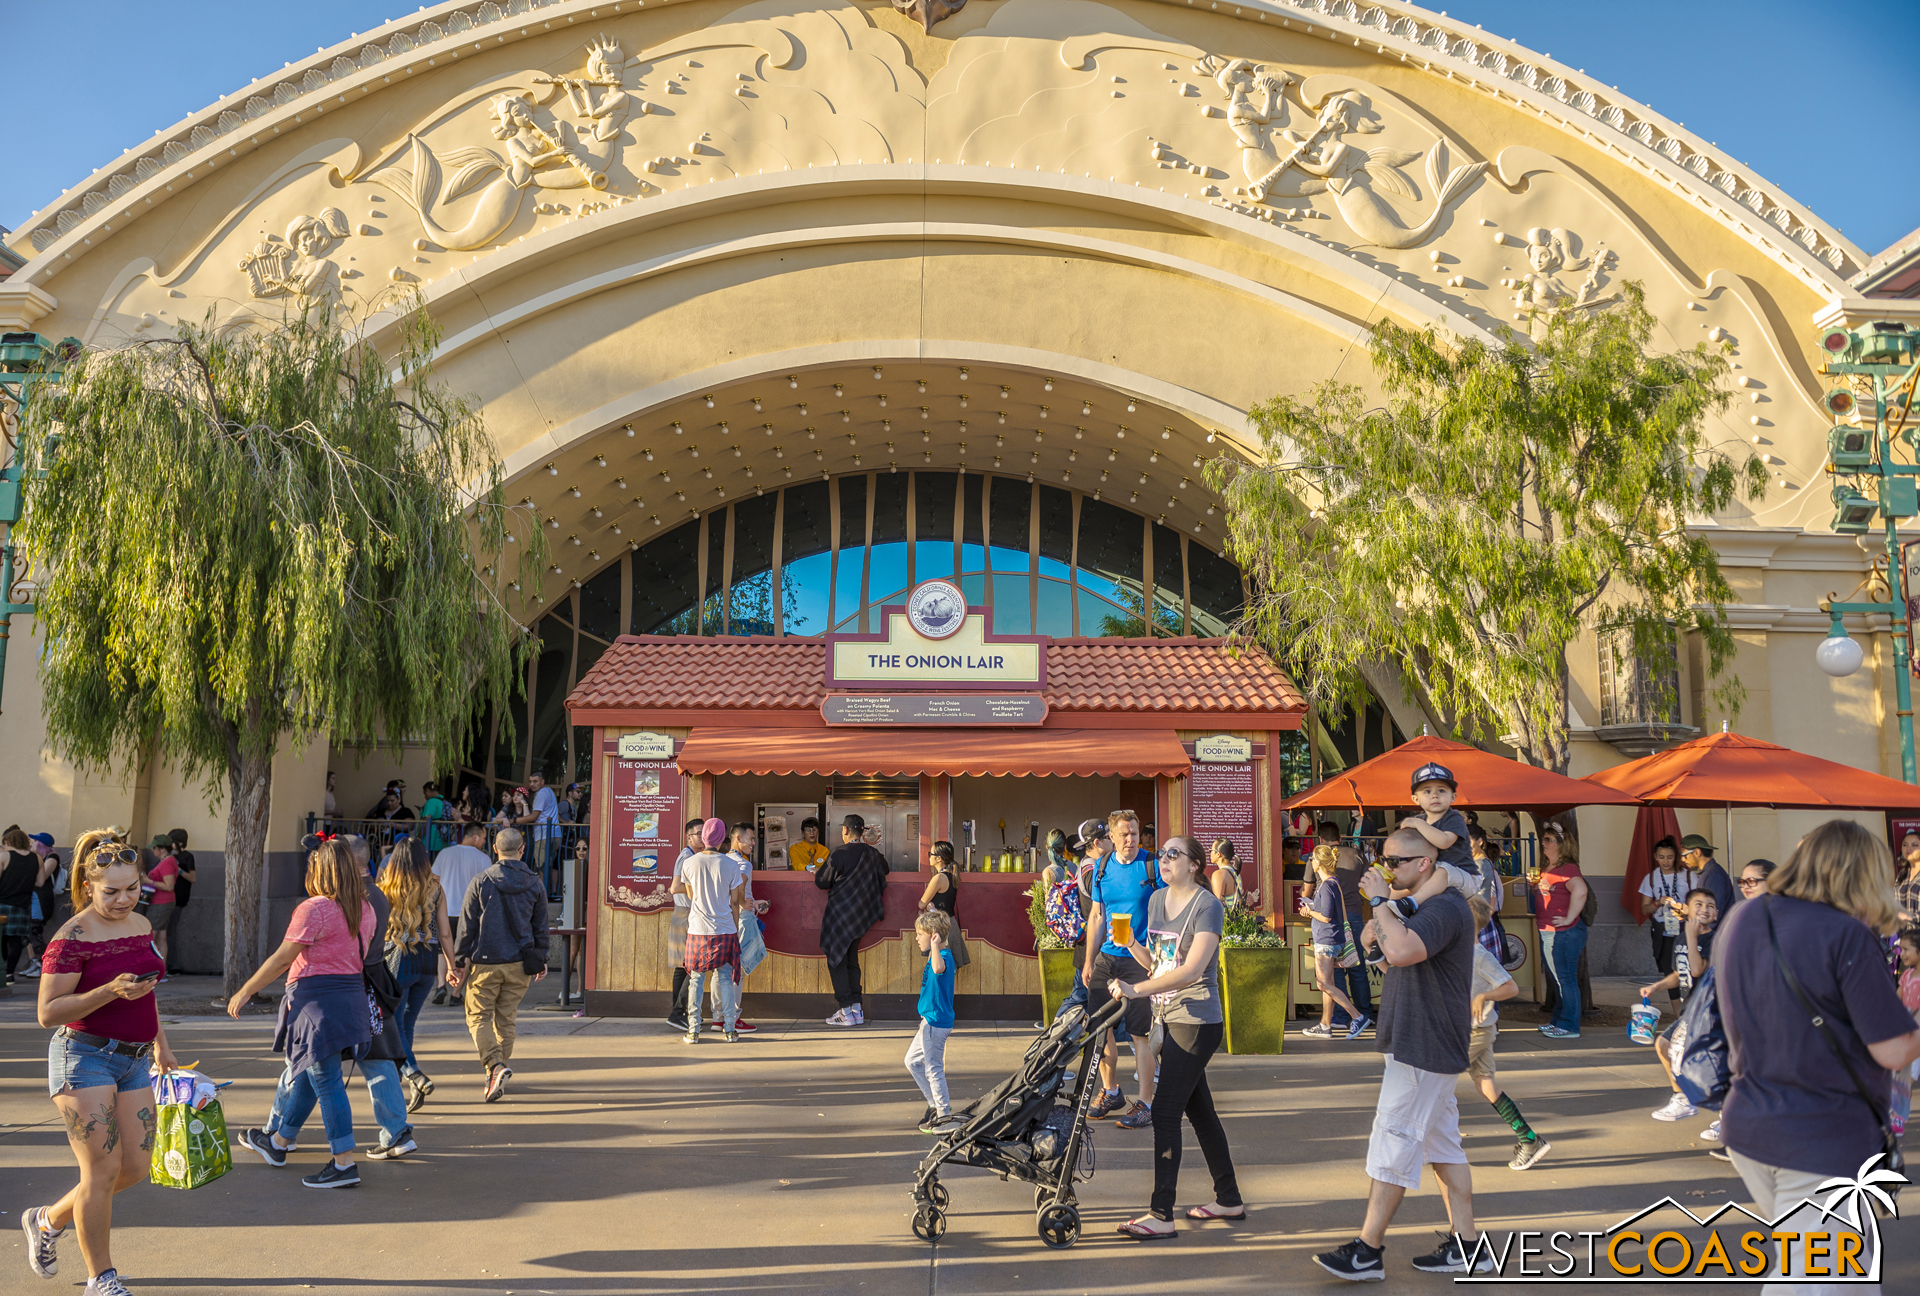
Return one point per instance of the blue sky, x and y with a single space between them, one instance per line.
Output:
1770 81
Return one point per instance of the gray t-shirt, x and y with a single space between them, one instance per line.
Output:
711 877
457 866
1424 1007
1488 976
1168 940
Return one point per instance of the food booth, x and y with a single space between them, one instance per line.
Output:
934 724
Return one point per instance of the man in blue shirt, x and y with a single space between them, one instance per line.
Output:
1121 884
542 825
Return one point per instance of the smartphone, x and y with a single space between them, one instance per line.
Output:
148 976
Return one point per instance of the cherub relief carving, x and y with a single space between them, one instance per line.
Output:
1351 174
1551 253
606 73
298 266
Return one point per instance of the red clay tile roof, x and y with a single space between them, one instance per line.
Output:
1201 676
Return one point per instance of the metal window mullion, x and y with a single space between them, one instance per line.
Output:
866 553
1033 555
1186 589
1073 564
833 551
726 577
779 539
700 577
1146 573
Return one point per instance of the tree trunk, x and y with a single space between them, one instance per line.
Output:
249 805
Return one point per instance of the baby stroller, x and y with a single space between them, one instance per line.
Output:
1028 1129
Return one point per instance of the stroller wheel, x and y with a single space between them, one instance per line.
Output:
937 1194
929 1224
1042 1195
1059 1225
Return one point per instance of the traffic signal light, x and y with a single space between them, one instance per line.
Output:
1839 402
1880 342
1855 512
1849 448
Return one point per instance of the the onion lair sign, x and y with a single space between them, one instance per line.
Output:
935 641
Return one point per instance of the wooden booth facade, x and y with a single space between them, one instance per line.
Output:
932 726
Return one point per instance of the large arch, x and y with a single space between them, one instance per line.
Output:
1108 197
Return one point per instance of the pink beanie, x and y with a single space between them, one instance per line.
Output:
713 832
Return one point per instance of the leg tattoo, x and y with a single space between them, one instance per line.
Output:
80 1126
111 1118
147 1121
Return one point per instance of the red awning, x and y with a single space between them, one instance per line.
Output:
887 752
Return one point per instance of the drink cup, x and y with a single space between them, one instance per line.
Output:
1120 926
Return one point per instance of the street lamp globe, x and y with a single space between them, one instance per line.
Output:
1839 655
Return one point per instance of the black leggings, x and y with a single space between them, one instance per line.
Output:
1663 947
14 946
846 976
1183 1091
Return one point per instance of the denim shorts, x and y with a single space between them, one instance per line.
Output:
74 1065
1331 951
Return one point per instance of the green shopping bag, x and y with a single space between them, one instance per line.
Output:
190 1147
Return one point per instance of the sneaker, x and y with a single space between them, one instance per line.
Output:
1139 1116
107 1284
1356 1262
937 1123
733 1036
692 1036
398 1148
1711 1134
1718 1154
744 1027
1319 1030
926 1118
1526 1152
42 1242
1448 1257
1677 1109
858 1013
1105 1105
262 1142
417 1096
497 1082
1554 1032
1359 1024
439 994
333 1176
840 1018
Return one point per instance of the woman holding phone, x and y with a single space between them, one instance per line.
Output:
1181 950
97 979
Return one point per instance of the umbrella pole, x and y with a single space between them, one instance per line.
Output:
1729 832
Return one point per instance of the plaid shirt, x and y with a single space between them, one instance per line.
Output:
855 880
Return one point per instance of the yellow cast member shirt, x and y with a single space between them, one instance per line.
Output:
804 854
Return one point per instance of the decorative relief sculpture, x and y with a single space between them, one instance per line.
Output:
1551 253
297 266
929 12
1326 161
606 71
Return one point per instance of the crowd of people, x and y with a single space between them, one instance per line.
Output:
548 819
1818 1004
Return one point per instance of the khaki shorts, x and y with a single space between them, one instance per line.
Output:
1480 1051
1416 1123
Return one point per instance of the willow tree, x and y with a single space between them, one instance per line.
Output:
1454 540
248 539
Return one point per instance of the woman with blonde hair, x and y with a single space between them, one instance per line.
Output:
1328 910
1815 1027
417 932
323 1014
96 986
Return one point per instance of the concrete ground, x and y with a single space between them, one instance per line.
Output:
624 1161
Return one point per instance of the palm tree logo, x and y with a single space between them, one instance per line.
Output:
1864 1189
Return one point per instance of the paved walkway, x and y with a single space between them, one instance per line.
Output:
624 1161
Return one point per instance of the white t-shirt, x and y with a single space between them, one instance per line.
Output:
686 853
1668 886
711 878
457 866
742 873
1488 976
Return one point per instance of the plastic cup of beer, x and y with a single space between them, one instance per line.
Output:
1120 926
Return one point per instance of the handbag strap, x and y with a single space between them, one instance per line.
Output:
1826 1032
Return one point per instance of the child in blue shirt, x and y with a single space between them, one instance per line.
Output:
926 1056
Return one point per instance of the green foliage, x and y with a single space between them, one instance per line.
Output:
1501 500
248 534
1242 928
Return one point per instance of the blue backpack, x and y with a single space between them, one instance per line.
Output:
1697 1047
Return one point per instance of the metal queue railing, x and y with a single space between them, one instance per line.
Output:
550 847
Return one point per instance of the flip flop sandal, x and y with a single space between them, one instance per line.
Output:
1202 1213
1133 1229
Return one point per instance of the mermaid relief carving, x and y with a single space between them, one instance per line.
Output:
1327 162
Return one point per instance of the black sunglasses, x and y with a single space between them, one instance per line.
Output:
1752 882
1395 861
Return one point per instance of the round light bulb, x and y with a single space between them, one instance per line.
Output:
1839 655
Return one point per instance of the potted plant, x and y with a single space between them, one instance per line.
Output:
1056 956
1255 982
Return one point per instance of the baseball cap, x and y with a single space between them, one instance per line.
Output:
1694 841
1092 830
159 842
1433 772
45 839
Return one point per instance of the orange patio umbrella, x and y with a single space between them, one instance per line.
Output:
1486 781
1724 770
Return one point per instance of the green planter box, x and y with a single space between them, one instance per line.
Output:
1056 980
1254 993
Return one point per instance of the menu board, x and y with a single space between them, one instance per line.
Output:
1220 804
645 808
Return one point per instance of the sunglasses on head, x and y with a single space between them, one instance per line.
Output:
116 855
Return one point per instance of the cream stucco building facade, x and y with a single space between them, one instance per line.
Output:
690 255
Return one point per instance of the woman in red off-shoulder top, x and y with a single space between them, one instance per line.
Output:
96 985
